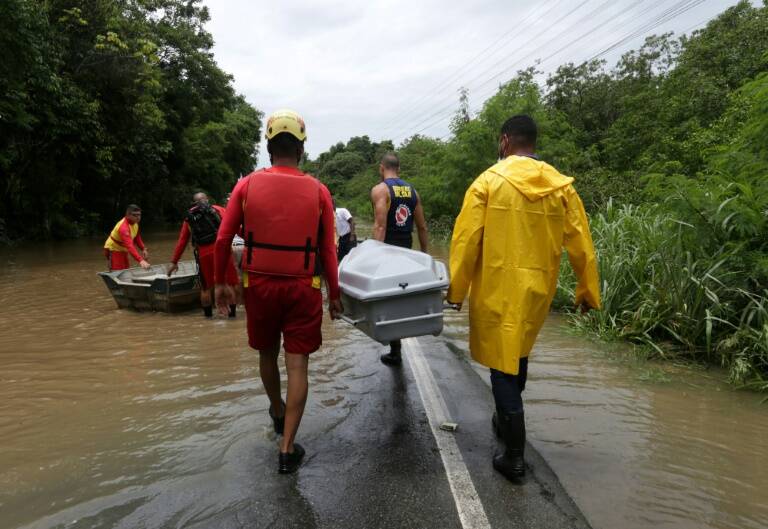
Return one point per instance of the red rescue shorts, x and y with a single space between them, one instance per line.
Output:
206 264
287 305
118 261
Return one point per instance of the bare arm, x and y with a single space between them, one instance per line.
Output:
380 200
421 225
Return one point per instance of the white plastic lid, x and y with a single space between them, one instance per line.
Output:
374 270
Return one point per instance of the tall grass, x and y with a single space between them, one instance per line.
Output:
663 288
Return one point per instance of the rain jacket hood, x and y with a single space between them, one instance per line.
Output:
507 243
533 178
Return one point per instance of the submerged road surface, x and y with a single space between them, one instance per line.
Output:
373 462
112 418
167 440
382 465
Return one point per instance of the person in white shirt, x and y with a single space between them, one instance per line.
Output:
345 229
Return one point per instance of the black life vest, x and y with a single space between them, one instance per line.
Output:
204 222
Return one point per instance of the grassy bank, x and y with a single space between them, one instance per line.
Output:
664 289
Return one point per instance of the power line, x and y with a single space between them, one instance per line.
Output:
696 25
670 14
430 93
451 106
498 62
665 16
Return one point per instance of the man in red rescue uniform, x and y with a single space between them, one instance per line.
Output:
124 239
202 225
287 220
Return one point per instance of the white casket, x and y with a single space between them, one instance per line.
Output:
391 293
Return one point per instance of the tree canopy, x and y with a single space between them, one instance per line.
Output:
106 102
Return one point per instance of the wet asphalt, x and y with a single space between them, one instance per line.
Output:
377 465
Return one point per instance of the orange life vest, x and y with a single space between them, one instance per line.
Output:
281 223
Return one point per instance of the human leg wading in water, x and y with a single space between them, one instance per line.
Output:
292 453
509 420
395 356
292 308
270 378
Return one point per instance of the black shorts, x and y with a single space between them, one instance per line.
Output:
403 240
345 245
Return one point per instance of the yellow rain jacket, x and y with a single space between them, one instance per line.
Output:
507 242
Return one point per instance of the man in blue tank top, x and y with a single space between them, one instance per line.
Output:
396 208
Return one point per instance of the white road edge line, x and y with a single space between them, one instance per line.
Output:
468 504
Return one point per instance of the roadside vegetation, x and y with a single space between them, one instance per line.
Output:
107 102
669 149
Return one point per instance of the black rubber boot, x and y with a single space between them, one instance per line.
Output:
289 463
278 422
495 424
232 311
208 311
511 463
394 357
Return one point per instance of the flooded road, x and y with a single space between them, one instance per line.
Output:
103 412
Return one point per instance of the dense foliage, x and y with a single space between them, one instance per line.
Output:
105 102
669 149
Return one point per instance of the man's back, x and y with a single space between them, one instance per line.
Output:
400 214
507 243
342 221
525 220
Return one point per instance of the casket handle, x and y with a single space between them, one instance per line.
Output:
409 319
350 320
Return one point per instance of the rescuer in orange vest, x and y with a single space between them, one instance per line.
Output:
124 239
287 220
201 224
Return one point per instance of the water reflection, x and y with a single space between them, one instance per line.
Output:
689 453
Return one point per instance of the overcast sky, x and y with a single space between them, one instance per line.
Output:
392 68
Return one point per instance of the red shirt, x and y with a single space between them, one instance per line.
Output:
129 243
233 220
184 235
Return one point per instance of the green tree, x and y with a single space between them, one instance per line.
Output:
341 168
105 102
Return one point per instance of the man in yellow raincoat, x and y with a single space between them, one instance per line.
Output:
507 242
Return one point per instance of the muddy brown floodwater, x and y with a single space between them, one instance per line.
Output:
101 409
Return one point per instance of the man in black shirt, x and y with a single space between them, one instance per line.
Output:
396 208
